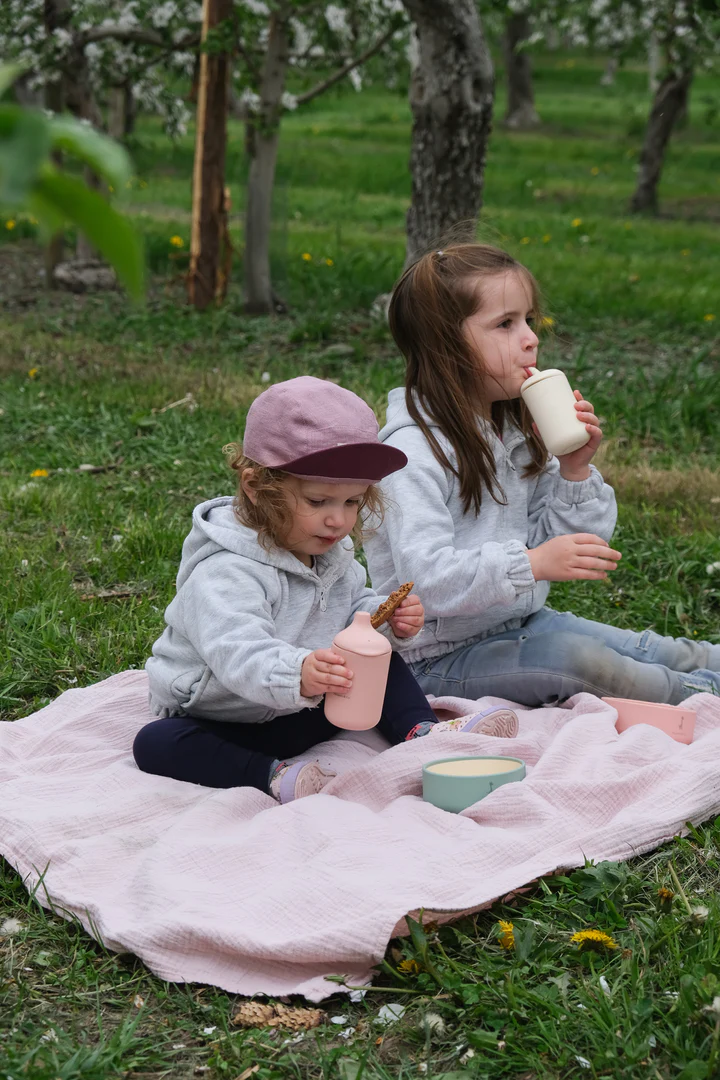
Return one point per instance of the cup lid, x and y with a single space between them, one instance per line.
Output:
538 376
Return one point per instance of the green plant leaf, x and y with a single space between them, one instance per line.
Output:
103 155
8 75
25 143
108 231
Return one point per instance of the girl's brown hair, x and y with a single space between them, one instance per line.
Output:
271 516
443 377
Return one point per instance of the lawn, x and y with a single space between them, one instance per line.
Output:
148 396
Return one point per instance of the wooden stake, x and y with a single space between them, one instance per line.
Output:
206 284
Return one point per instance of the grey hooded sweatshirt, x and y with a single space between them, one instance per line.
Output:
244 619
471 572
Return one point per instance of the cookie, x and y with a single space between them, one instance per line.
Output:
393 601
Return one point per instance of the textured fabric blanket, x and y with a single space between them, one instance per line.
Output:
228 888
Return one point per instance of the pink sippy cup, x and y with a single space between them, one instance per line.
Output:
367 654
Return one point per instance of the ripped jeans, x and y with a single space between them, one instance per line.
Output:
555 655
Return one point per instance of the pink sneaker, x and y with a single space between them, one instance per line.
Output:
500 722
296 781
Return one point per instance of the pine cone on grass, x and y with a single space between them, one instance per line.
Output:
257 1014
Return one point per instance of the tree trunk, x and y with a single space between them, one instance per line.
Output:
521 100
130 109
654 61
116 112
668 102
55 15
263 132
206 283
451 97
608 76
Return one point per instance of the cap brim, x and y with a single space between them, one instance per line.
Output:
362 462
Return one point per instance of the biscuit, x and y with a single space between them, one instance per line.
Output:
393 601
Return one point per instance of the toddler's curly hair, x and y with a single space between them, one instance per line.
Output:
272 516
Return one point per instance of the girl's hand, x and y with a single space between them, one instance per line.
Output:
575 466
409 617
578 557
322 671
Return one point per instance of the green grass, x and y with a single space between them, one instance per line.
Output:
629 304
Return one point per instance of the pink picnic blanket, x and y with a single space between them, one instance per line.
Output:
228 888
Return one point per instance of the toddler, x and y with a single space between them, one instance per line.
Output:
266 581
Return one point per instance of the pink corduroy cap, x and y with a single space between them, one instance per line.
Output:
318 431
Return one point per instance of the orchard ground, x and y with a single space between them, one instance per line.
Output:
150 395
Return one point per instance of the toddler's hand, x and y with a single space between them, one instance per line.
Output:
575 466
409 617
578 557
322 671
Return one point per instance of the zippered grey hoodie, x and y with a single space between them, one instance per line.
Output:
244 619
472 573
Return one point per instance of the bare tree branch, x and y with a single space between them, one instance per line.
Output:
136 36
341 72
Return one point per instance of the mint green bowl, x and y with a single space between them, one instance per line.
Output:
457 782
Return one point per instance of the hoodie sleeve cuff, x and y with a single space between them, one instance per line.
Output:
573 492
288 682
399 644
519 570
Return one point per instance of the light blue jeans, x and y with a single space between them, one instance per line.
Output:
555 655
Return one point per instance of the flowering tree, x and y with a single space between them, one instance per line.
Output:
687 33
85 47
29 178
275 37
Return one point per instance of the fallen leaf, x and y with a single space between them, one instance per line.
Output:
248 1073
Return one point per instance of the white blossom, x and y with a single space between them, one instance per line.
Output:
337 20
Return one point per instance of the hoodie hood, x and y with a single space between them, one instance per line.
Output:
216 528
398 417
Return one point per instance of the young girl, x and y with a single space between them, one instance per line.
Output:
483 519
265 583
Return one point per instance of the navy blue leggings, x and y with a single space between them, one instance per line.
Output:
222 755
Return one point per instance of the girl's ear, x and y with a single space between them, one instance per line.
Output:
246 482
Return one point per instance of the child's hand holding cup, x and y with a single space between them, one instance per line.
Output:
551 402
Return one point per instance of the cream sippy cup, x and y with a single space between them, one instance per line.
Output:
549 397
367 655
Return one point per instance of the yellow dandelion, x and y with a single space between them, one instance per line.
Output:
593 939
143 183
33 373
576 222
111 189
525 240
547 238
547 321
409 967
665 898
685 252
329 262
506 936
307 257
10 224
39 472
594 170
708 318
177 241
628 225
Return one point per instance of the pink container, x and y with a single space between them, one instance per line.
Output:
674 720
367 655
